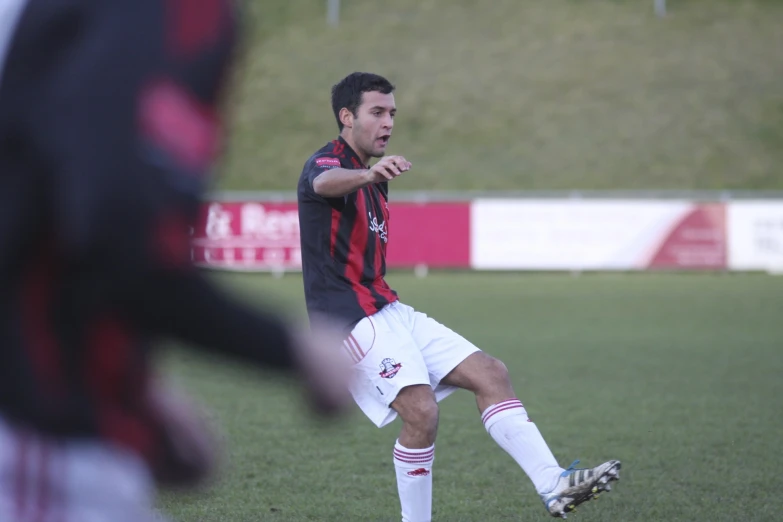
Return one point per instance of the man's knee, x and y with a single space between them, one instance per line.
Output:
418 408
496 370
480 373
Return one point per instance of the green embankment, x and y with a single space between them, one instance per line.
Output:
522 95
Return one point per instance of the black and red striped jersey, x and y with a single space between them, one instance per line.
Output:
343 241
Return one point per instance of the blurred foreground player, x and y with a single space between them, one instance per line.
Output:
405 361
108 127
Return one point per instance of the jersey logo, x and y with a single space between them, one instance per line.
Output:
327 163
379 229
389 368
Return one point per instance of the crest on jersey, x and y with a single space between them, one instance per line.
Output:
389 368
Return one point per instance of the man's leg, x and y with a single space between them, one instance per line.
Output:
505 417
453 362
414 451
507 422
391 380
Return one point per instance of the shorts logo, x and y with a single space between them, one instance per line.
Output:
389 368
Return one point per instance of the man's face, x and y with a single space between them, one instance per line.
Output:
372 125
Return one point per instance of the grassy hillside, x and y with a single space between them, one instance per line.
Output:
520 94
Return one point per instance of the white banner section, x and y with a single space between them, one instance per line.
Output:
756 235
596 235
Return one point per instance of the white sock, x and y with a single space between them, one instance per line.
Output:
414 482
507 422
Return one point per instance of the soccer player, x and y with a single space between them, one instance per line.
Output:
109 124
406 361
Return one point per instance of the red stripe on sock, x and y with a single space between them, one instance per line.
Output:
409 456
425 456
413 453
414 461
502 404
498 410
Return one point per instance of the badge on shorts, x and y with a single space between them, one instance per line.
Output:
389 368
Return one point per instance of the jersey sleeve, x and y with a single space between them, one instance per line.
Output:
316 166
319 164
125 189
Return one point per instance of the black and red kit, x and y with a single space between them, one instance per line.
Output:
343 241
109 124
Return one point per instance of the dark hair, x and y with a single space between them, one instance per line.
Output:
348 92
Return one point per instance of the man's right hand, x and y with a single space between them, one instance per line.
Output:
388 168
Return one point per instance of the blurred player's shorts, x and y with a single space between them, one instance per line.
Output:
399 347
71 481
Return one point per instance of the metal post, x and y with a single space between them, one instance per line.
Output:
660 7
333 12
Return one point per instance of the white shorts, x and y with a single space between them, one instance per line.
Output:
42 480
399 347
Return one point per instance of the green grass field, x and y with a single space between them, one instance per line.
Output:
523 94
679 376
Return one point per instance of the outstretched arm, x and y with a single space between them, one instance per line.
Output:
335 183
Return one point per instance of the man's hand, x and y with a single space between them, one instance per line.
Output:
324 371
388 168
189 453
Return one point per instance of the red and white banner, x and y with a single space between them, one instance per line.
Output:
597 235
523 234
261 236
248 236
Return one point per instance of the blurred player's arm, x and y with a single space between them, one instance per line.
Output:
338 182
124 197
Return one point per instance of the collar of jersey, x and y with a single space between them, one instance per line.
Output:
350 152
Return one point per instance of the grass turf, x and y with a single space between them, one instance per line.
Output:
679 376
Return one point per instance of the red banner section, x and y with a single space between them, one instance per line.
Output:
432 234
261 236
248 236
696 241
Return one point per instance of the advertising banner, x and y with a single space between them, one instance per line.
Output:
249 236
597 235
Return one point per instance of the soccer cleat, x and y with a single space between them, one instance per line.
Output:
576 486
